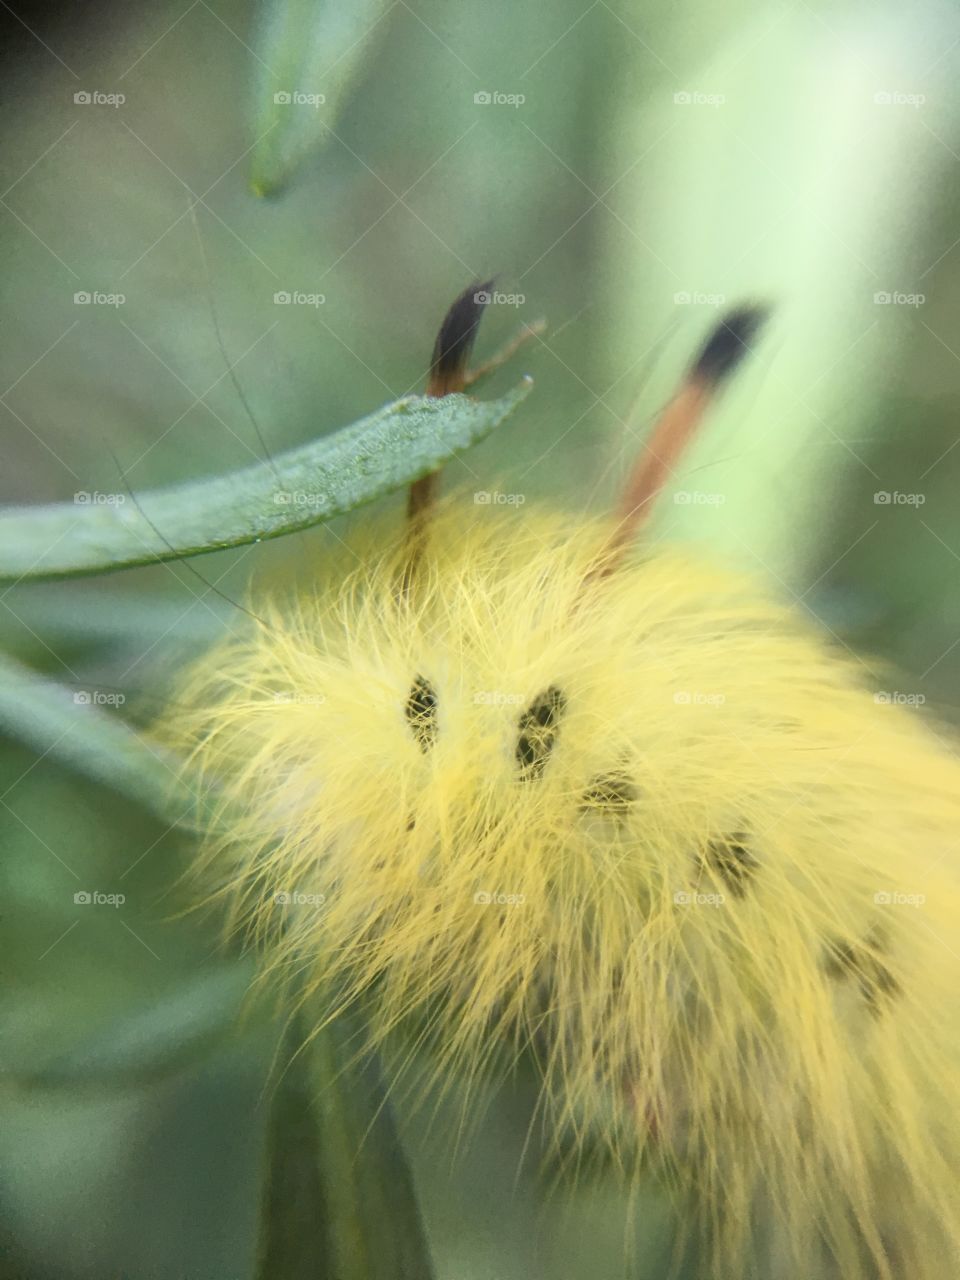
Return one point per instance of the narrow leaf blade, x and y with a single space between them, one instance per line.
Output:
302 487
339 1202
308 55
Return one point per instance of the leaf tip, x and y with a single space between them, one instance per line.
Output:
264 188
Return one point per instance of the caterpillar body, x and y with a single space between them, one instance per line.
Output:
546 787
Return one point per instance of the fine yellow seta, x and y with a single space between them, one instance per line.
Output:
547 791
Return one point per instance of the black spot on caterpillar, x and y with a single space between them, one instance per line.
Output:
611 793
863 963
731 859
538 732
421 712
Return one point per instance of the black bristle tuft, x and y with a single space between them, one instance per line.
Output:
456 337
730 858
729 342
538 731
421 713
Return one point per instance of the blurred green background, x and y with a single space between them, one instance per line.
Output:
666 160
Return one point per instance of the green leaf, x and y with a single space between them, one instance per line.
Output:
294 1228
339 1202
67 612
300 488
152 1043
376 1229
64 724
308 53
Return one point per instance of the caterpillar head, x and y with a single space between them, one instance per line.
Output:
437 758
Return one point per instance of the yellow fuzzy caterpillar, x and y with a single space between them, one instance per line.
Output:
620 808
